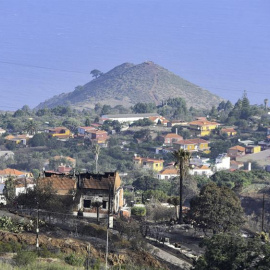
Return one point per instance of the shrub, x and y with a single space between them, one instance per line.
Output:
10 247
138 211
25 257
74 260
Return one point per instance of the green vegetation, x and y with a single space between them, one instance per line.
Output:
217 209
144 107
240 179
234 252
74 260
138 211
24 258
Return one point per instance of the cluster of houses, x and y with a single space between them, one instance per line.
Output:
198 166
234 159
93 187
84 189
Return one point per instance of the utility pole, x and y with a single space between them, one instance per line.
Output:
88 256
263 209
108 224
37 229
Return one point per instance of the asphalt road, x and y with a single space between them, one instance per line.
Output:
165 256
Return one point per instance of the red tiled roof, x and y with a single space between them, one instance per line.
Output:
169 171
192 141
62 185
228 130
173 135
238 147
9 171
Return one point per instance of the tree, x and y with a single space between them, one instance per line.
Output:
182 158
96 73
45 195
9 190
233 252
218 147
175 202
217 209
87 122
144 107
158 195
146 183
31 127
39 139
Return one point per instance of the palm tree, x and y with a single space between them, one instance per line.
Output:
182 158
31 127
97 204
96 152
265 103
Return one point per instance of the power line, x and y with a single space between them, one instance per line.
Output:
41 67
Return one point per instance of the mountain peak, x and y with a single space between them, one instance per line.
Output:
128 84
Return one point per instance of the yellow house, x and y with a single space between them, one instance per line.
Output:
203 127
252 149
229 131
60 132
148 163
19 139
192 145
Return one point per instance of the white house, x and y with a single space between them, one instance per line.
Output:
127 118
198 161
201 170
21 185
223 162
167 173
6 173
2 131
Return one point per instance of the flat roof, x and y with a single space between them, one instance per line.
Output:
263 157
130 115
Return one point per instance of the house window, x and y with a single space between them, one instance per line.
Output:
144 163
104 204
156 165
86 203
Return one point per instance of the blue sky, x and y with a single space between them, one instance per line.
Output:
222 46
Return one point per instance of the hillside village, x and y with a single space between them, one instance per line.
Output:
118 162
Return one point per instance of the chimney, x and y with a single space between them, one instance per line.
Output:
249 166
176 131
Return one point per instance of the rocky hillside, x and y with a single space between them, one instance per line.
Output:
128 84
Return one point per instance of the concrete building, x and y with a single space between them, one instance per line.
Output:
127 118
201 170
223 162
